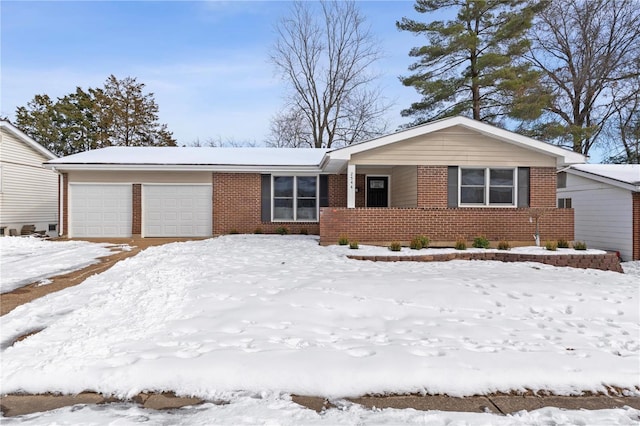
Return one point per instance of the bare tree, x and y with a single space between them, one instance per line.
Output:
218 142
326 58
624 129
586 50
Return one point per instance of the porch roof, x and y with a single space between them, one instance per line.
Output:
563 156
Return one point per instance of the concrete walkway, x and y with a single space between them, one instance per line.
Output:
16 405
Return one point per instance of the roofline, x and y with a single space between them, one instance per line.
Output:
604 179
564 156
182 168
27 139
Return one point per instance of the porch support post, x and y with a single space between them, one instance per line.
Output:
351 186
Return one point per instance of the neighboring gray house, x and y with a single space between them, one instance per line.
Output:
606 201
28 191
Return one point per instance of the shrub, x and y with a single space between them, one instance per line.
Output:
503 245
234 231
551 245
481 242
580 245
354 245
282 230
424 240
395 246
562 243
343 240
258 230
460 244
303 231
416 243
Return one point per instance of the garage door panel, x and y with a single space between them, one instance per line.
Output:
177 210
100 210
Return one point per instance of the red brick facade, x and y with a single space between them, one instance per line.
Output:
542 187
136 206
338 190
432 186
381 226
636 225
237 206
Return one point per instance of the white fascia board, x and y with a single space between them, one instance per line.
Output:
604 179
564 157
27 139
61 167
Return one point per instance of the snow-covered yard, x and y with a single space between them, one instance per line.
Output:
25 260
246 315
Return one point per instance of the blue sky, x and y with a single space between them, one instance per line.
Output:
206 62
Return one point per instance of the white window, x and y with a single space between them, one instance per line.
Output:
487 186
295 198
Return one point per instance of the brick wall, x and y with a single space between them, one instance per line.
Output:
381 226
338 190
136 220
542 187
432 186
636 225
603 262
237 206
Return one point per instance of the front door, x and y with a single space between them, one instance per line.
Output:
377 191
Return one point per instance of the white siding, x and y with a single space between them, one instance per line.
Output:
29 192
603 214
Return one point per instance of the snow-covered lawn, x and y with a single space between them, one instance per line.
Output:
257 313
25 260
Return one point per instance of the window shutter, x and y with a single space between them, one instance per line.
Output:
324 190
452 187
265 208
523 186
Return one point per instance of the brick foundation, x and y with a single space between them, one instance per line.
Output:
603 262
383 225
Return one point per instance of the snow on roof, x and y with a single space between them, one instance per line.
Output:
197 156
626 173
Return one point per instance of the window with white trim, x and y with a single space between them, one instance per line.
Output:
295 198
487 186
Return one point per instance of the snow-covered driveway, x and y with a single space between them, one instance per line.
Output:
24 260
272 313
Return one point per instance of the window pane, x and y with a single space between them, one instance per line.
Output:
472 177
472 195
283 208
306 209
307 186
501 177
500 195
283 186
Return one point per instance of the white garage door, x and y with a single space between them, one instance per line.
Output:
100 210
176 210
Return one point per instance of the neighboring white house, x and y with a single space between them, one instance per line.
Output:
28 191
606 201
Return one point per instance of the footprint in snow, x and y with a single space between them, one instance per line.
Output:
360 353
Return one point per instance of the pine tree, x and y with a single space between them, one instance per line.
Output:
472 65
118 114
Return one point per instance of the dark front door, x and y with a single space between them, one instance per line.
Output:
377 191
